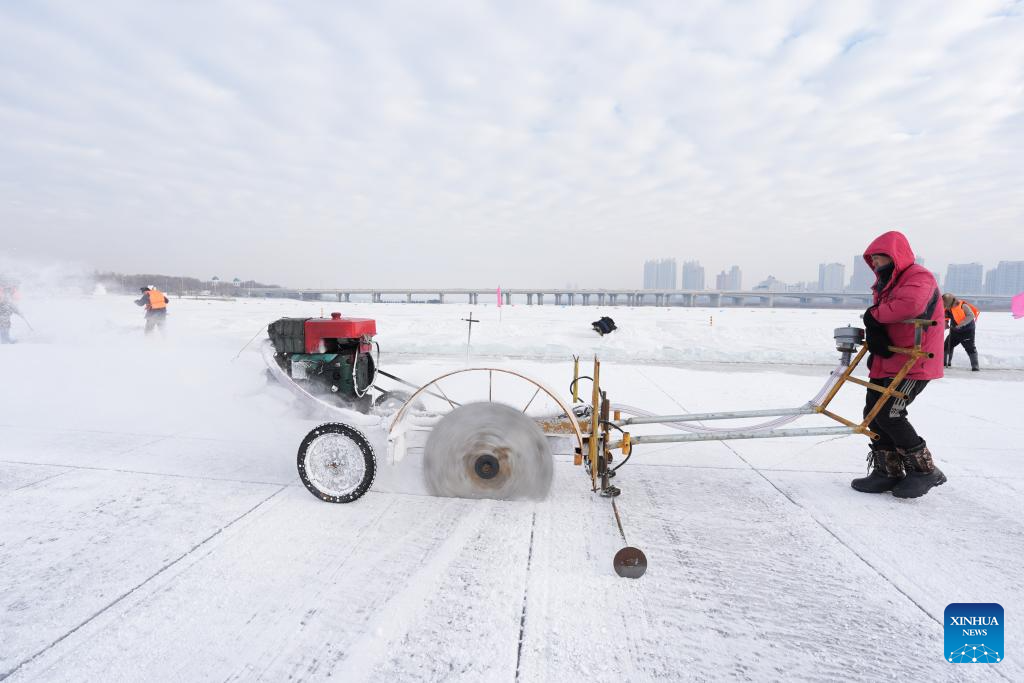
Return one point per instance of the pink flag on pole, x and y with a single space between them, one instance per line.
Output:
1017 306
499 297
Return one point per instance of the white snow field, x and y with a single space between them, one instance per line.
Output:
153 526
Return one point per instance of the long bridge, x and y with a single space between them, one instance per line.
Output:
603 297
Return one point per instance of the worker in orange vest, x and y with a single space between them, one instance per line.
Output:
960 318
155 302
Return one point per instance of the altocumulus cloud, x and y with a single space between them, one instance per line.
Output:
457 143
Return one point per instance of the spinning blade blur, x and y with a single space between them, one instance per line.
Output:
487 450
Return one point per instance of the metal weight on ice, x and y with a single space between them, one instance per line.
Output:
630 563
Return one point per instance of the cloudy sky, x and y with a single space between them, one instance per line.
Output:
514 143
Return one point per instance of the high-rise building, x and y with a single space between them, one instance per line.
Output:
863 277
693 275
831 277
1006 278
667 274
735 278
964 278
729 281
650 274
660 274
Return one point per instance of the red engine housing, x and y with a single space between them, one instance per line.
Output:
318 329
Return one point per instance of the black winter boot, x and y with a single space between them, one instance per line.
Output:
887 471
974 361
922 474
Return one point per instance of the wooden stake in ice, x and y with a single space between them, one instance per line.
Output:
469 337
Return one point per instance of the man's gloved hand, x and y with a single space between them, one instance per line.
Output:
877 338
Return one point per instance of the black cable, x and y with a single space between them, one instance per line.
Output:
611 424
625 460
572 384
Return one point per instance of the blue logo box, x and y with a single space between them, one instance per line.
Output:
974 633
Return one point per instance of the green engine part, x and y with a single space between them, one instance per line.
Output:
331 370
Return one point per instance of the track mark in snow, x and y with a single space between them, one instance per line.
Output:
149 474
526 588
319 598
140 585
400 611
39 481
834 535
158 437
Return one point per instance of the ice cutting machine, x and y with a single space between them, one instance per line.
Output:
600 442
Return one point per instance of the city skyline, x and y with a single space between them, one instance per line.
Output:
967 278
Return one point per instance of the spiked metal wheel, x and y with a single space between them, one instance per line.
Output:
336 463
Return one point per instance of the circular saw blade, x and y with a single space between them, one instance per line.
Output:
487 450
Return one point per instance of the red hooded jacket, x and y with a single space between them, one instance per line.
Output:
907 295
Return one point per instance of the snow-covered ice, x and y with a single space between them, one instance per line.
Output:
153 527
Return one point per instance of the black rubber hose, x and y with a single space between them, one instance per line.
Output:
572 384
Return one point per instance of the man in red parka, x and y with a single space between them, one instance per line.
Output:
900 459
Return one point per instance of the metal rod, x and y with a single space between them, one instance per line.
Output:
842 380
438 385
531 399
889 390
917 353
876 387
737 434
410 384
839 418
699 417
595 419
575 380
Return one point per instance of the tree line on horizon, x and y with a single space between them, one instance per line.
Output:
174 284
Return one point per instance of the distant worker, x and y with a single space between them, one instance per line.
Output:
900 459
960 318
7 309
155 302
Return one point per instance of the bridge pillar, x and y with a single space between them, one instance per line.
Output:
508 298
348 297
440 297
586 299
611 299
529 299
540 299
571 297
558 299
771 302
